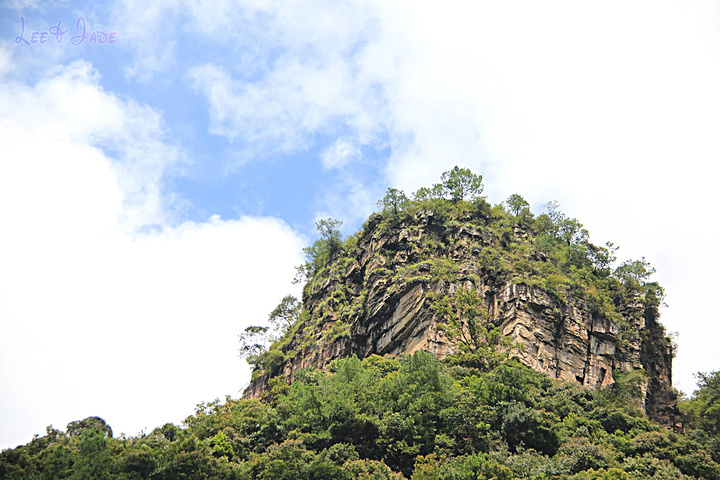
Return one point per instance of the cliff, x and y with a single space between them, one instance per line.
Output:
375 295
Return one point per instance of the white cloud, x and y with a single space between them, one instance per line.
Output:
71 108
299 72
96 318
340 153
149 30
285 111
254 30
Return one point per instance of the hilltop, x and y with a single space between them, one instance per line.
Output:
448 273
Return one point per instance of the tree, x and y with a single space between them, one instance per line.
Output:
394 200
461 183
90 423
553 211
571 231
319 253
254 339
466 321
253 343
94 459
703 409
329 231
634 272
523 426
602 257
424 194
516 204
567 229
57 462
140 463
285 314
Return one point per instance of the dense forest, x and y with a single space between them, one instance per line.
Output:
413 417
476 414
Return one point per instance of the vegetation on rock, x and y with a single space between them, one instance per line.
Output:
457 256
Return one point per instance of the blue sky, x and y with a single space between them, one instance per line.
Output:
156 193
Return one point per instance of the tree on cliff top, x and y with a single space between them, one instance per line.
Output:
394 200
516 204
461 184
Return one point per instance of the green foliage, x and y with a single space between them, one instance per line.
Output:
516 204
424 194
627 391
466 322
271 361
699 465
580 454
93 458
461 184
253 344
470 467
526 427
393 202
443 269
702 411
566 229
254 339
286 314
318 254
137 463
634 272
413 417
90 423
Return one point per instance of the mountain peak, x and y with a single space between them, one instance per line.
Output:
450 274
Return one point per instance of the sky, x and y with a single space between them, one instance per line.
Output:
162 165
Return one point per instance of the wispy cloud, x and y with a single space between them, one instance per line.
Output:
340 153
287 108
289 71
150 31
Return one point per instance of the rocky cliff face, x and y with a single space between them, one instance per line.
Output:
376 300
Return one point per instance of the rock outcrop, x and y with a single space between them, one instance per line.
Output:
377 300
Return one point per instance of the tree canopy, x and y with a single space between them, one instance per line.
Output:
516 204
413 417
461 184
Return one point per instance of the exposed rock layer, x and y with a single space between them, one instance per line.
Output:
379 303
